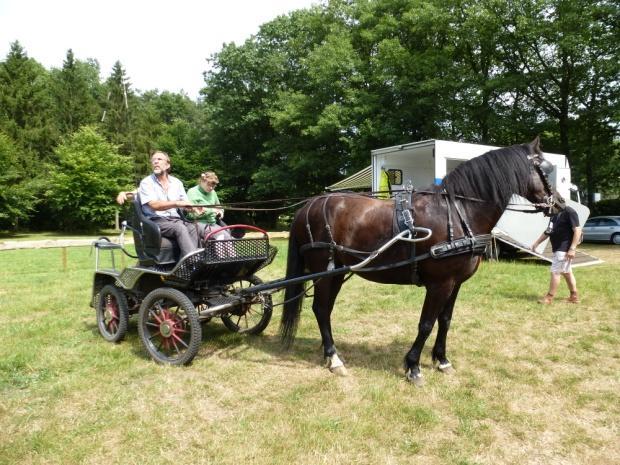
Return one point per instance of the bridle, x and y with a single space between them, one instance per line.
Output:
543 168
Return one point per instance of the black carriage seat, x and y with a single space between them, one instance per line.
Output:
151 247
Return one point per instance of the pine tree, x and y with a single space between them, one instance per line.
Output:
76 88
118 119
26 105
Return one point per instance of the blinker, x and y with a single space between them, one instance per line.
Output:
546 167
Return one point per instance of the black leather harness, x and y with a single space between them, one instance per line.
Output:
403 220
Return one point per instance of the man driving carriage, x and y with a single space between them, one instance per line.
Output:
199 196
160 195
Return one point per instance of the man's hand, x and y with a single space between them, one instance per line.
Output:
186 204
123 196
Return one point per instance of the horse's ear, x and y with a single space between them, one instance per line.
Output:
535 146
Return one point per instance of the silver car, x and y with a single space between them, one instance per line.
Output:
602 228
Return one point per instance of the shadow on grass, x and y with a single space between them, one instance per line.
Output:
305 352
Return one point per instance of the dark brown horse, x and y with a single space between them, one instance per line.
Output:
327 230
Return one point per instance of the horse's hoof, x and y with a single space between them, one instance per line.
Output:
446 368
414 378
335 365
339 371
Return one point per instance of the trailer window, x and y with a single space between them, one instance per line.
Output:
395 176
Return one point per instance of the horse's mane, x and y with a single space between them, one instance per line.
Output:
494 176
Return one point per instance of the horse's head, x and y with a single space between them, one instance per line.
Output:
538 189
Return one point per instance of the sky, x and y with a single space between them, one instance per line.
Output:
162 44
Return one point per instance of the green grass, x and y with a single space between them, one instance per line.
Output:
533 384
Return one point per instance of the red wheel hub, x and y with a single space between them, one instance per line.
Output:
110 314
171 328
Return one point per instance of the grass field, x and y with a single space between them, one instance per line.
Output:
534 385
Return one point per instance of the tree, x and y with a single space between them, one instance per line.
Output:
17 196
83 183
26 106
563 56
235 124
271 118
76 91
169 121
119 110
312 118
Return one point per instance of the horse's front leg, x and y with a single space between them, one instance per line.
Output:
434 301
443 326
325 293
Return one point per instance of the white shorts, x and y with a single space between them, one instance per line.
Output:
559 264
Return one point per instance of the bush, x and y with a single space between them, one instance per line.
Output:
606 207
85 181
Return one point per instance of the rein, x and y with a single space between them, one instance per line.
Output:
371 194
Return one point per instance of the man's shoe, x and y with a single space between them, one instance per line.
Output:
573 299
546 300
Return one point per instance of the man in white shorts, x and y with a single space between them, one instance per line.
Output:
564 232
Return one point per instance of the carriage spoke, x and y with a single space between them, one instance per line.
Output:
177 338
155 315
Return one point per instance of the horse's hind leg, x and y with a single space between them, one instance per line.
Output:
443 326
325 293
434 301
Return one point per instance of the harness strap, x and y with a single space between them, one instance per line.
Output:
333 246
475 245
457 207
308 229
415 275
450 228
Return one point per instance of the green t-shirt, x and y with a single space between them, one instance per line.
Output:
198 196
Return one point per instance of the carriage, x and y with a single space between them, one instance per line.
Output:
173 295
433 238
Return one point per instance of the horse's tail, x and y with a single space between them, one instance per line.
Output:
293 294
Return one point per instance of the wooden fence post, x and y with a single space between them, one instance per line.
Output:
64 258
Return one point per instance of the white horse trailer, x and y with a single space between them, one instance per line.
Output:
420 164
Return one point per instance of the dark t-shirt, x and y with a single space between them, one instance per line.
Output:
560 230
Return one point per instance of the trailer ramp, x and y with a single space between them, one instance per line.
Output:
581 258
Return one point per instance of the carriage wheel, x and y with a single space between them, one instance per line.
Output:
112 313
253 316
169 327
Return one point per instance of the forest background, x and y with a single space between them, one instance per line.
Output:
302 103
